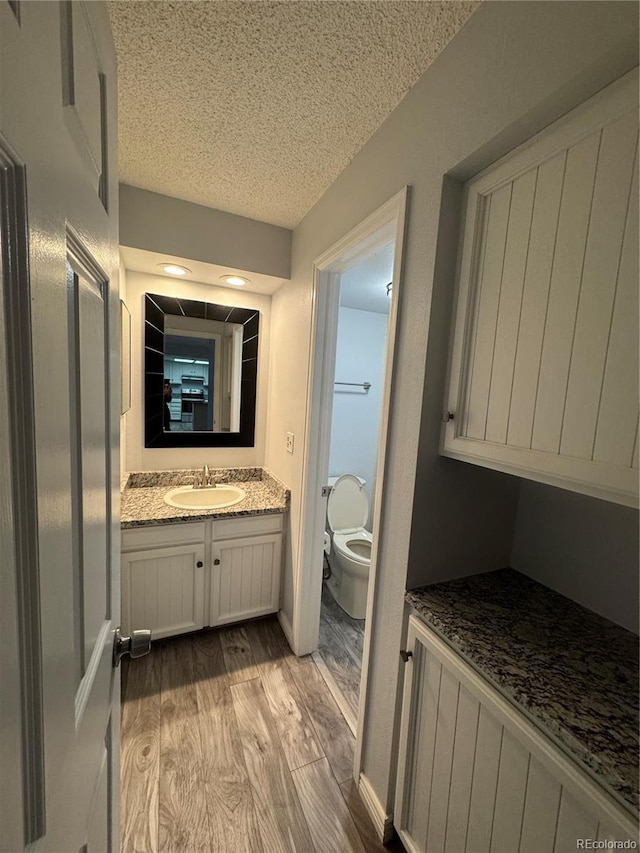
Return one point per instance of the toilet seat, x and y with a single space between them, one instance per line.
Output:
342 541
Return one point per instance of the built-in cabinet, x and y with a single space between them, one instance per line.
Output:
475 775
178 369
178 578
543 378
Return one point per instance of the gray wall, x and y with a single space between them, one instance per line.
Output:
584 548
159 223
514 67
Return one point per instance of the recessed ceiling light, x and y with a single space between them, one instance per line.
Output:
174 269
235 280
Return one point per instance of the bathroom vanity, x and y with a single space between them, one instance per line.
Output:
187 569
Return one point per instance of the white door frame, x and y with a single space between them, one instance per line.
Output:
385 225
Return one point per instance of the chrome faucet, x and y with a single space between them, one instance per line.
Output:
204 479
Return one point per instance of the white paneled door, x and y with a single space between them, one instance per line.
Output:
544 372
58 428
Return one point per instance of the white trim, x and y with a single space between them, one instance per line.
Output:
599 479
385 225
380 227
286 627
381 819
400 210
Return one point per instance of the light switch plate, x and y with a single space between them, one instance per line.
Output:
289 442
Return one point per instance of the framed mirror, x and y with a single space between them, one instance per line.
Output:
200 373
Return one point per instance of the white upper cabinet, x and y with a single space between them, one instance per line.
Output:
543 378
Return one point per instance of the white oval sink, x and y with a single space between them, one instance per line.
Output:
186 497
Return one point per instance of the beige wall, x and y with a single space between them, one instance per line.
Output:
139 458
513 68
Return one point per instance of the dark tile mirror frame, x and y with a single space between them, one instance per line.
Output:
156 307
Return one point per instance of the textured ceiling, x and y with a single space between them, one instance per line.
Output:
256 107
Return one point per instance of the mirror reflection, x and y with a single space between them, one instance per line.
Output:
200 373
202 367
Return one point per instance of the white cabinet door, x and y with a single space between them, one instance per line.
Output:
163 589
245 578
544 370
474 775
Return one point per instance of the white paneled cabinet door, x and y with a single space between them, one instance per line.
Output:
544 369
245 578
474 776
163 589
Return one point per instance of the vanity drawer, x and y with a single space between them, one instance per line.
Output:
157 536
229 528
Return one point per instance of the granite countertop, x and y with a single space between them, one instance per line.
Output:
142 497
573 673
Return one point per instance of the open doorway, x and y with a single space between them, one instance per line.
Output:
376 240
361 346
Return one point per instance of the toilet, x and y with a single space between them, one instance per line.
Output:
347 513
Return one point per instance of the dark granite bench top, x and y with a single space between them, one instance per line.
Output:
574 673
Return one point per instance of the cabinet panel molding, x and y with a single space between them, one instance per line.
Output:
245 578
543 374
163 589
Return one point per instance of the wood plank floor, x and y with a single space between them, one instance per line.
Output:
231 743
340 648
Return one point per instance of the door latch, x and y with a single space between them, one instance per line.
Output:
137 645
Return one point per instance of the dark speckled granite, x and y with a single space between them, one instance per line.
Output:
142 498
574 673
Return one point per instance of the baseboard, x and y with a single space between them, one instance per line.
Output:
382 822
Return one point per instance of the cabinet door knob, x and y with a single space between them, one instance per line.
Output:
216 562
199 564
405 655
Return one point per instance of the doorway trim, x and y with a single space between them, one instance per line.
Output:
383 226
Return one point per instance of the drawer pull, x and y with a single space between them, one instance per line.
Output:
199 564
216 562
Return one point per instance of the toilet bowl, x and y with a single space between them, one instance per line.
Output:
347 513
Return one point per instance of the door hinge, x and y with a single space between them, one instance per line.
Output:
325 491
